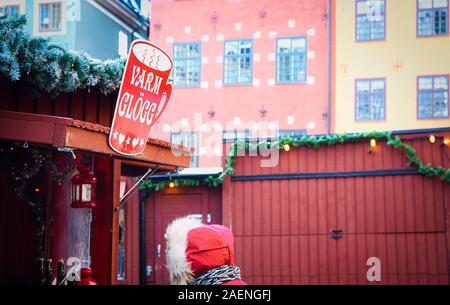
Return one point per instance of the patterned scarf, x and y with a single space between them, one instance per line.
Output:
218 275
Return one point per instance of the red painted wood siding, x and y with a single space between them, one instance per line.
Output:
282 226
89 106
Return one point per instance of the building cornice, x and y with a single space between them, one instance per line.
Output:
126 14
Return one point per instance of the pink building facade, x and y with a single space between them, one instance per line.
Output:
242 68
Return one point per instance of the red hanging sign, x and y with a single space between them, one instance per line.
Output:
143 96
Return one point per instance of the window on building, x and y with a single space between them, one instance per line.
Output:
238 64
292 133
187 139
186 61
432 17
291 60
235 134
50 17
432 96
9 10
370 20
370 99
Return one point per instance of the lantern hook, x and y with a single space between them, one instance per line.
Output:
68 150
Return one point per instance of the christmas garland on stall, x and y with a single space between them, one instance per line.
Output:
308 141
49 67
26 163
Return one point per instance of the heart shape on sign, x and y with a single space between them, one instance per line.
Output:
135 142
121 138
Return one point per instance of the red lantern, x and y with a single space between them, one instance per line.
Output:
83 188
86 277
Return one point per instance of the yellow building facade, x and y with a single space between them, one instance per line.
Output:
407 67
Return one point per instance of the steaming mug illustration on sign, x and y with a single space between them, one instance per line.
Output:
143 96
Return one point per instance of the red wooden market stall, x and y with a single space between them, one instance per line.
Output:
41 133
68 195
319 214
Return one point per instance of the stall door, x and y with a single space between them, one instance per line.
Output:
162 208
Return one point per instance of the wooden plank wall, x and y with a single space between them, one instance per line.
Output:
282 226
90 106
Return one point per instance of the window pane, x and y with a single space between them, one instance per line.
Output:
245 44
298 67
298 45
55 16
180 51
370 99
244 70
440 21
193 50
231 70
44 21
284 45
444 22
362 28
237 62
291 60
231 48
283 68
186 64
441 82
425 105
425 83
361 7
425 23
377 105
377 30
362 103
425 4
377 86
440 3
440 104
375 10
179 72
362 86
193 69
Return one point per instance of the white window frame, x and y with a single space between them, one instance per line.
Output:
19 3
122 44
36 31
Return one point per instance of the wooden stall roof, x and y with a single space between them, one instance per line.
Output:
70 133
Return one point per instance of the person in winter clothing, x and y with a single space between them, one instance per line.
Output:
199 254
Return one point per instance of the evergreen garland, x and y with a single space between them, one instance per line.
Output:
308 141
26 163
48 67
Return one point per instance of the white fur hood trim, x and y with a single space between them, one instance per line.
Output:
176 243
